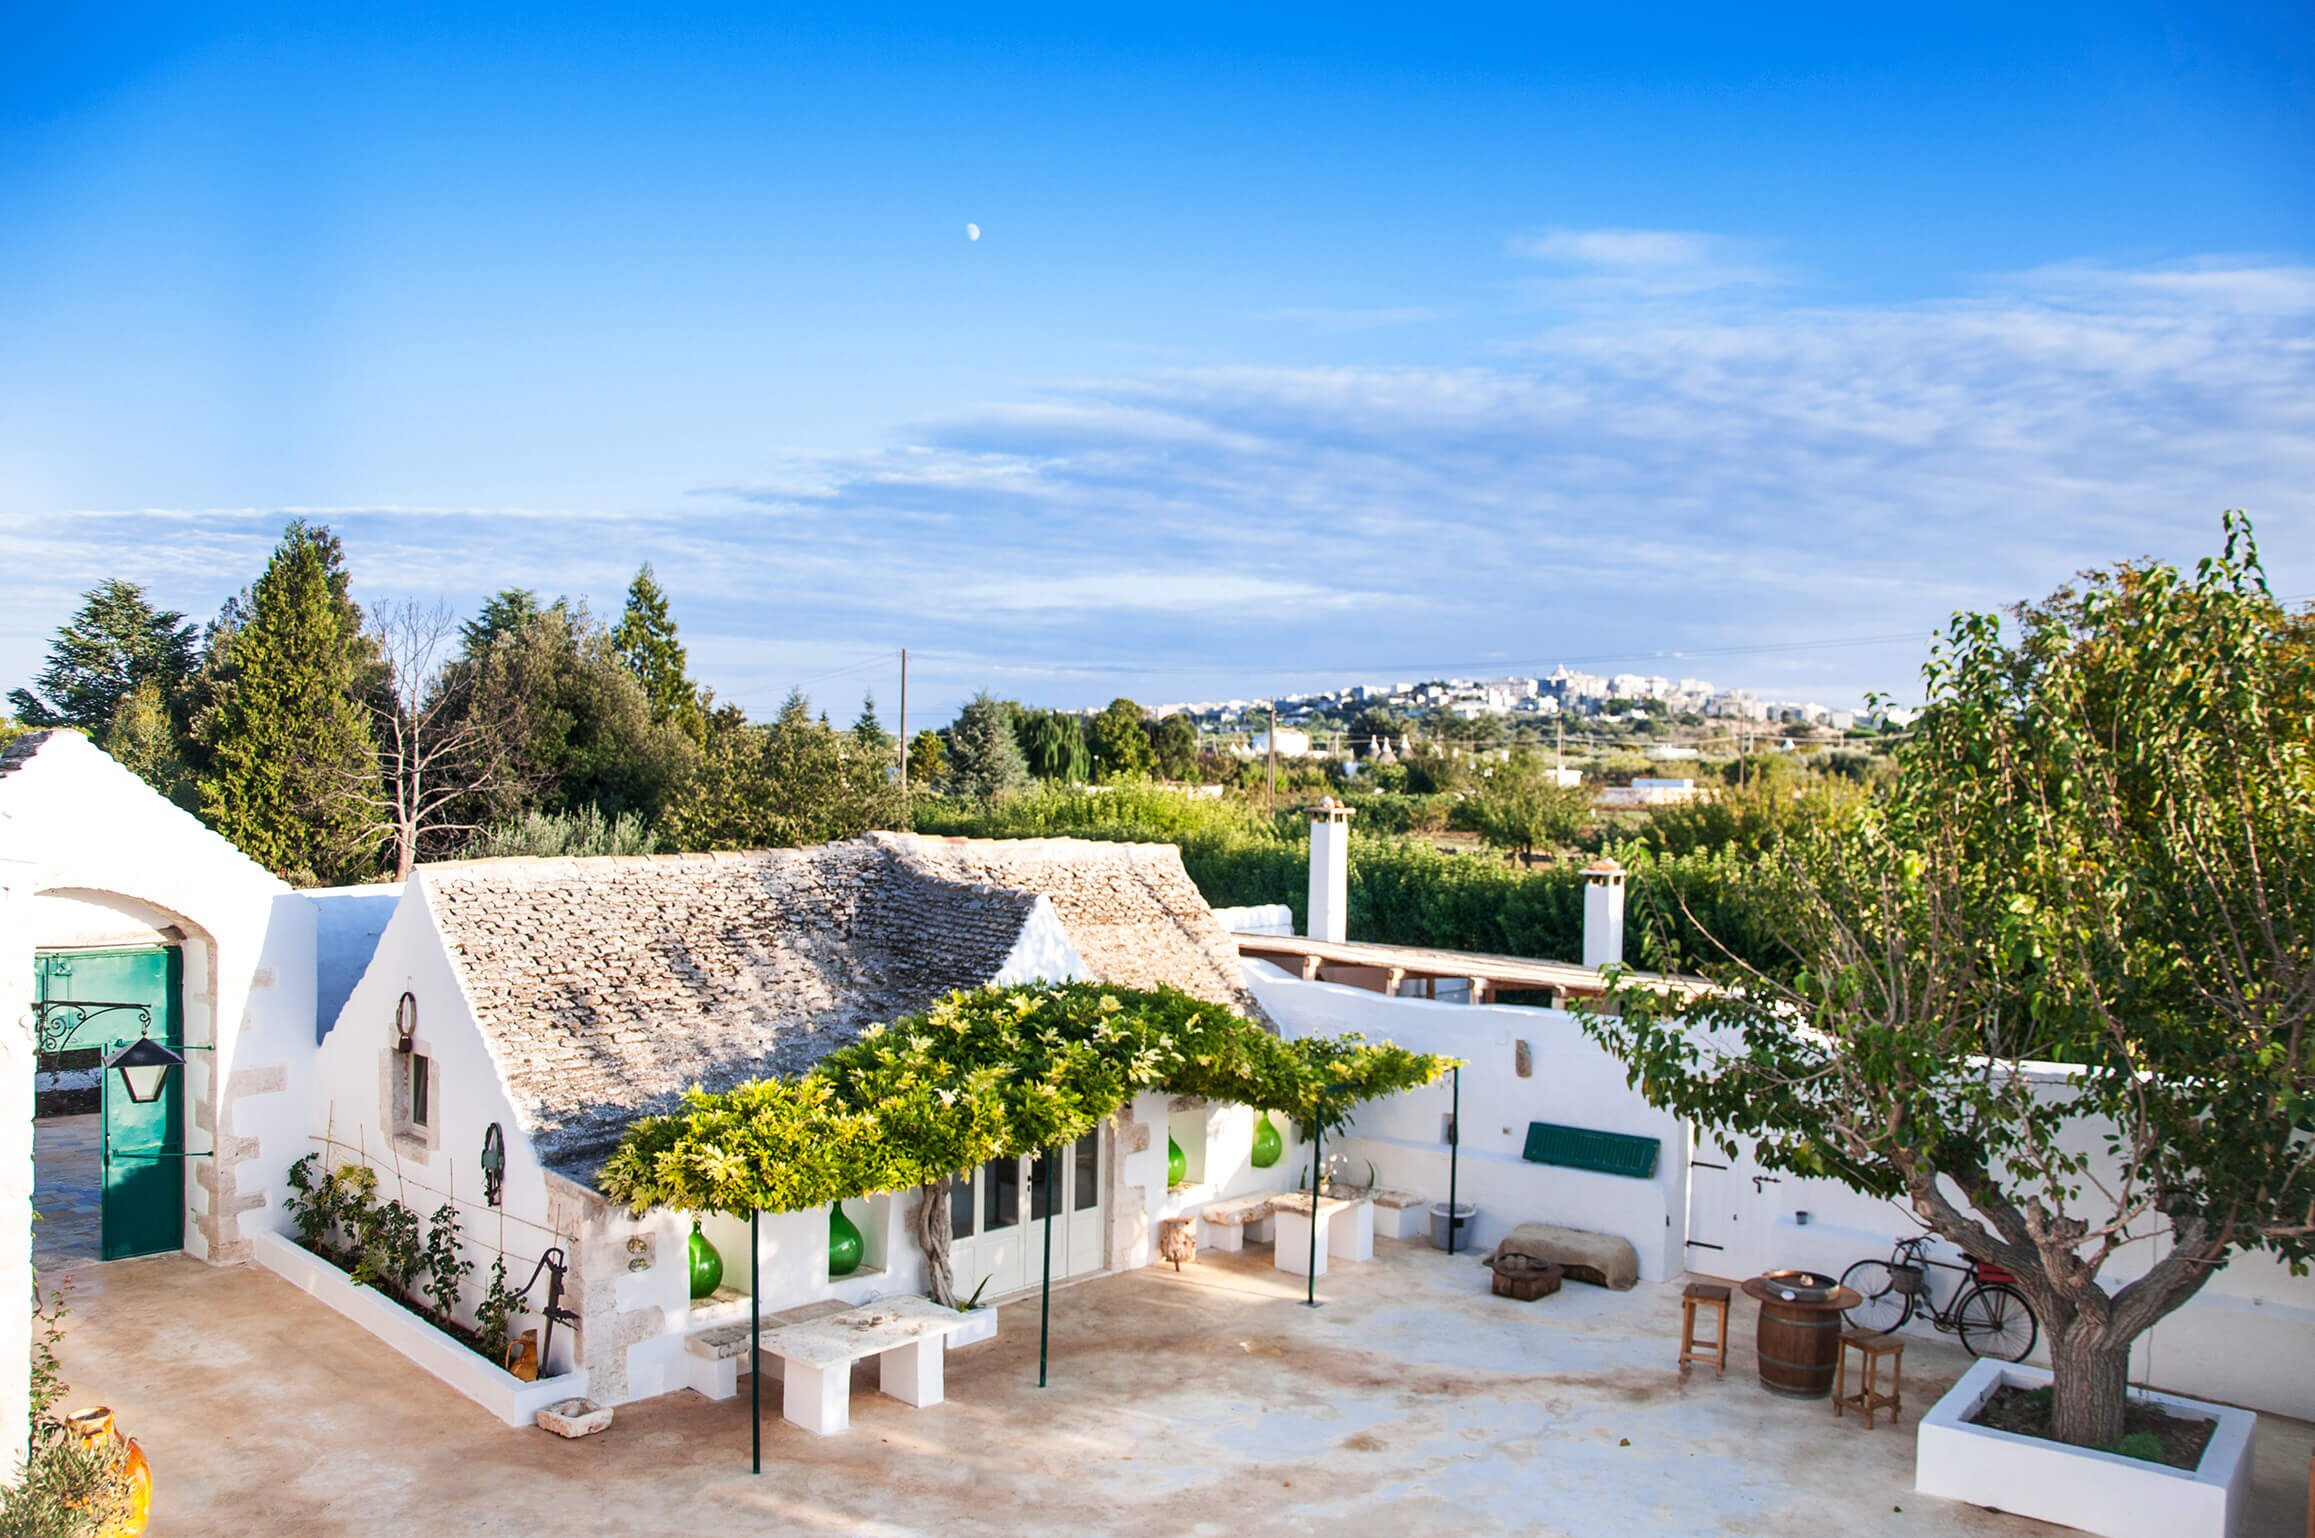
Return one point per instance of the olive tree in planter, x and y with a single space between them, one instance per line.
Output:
2099 852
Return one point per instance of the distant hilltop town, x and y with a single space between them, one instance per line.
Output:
1564 693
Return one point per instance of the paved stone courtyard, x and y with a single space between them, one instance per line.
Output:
1211 1402
68 1172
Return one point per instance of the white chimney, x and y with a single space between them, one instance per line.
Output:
1603 912
1329 870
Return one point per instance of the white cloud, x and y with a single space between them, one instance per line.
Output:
1621 248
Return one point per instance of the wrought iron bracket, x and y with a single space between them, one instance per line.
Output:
49 1035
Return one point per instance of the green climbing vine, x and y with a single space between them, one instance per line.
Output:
980 1076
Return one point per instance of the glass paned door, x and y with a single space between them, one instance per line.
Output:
998 1242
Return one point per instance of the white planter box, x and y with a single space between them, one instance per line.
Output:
500 1392
980 1325
2097 1492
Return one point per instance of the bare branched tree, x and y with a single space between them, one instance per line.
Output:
435 756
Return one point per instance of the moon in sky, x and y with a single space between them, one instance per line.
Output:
972 232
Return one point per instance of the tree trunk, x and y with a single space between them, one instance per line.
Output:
2092 1375
932 1237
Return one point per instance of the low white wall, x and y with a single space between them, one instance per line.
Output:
2247 1338
1571 1082
1259 919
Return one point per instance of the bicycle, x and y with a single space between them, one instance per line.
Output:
1992 1317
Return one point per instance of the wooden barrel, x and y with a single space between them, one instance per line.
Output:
1800 1345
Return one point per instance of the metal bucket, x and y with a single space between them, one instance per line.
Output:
1459 1222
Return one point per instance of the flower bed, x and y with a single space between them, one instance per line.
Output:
1959 1455
494 1388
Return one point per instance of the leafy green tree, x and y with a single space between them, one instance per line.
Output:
503 613
1521 806
1374 729
1053 745
145 740
645 640
557 705
1119 739
868 731
1173 742
2099 851
927 759
286 730
115 642
792 782
983 759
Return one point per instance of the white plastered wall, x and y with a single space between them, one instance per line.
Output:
2247 1338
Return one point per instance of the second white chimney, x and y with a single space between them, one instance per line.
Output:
1329 871
1603 913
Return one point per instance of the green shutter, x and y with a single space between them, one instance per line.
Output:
1581 1148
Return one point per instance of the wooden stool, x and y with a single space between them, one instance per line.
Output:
1870 1349
1703 1295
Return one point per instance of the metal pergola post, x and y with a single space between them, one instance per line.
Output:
1317 1183
1454 1150
755 1334
1045 1304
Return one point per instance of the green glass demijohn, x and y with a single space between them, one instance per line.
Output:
1268 1145
706 1264
1177 1163
843 1242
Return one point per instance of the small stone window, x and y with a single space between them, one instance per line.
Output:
417 1092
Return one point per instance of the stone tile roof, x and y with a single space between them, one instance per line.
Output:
606 987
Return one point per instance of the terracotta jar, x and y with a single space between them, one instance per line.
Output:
95 1429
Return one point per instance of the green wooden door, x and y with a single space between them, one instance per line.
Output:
143 1205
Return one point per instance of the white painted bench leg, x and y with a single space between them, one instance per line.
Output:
715 1378
819 1399
912 1373
1292 1251
1260 1229
1351 1234
1221 1237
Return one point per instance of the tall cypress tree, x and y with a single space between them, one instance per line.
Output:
293 768
645 639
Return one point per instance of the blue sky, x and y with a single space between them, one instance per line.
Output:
1299 347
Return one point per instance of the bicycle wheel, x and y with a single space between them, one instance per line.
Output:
1884 1308
1995 1320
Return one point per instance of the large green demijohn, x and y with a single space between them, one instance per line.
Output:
1268 1145
843 1242
1177 1163
706 1264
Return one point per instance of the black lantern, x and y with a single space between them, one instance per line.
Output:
144 1066
493 1164
405 1022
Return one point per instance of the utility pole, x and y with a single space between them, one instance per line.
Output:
904 726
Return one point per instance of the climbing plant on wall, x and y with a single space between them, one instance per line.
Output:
984 1075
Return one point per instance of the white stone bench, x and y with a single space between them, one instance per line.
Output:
1347 1231
908 1335
1399 1214
1227 1225
716 1355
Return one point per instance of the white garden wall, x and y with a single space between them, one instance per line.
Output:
2247 1338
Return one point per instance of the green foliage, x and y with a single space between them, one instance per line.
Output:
927 759
114 643
1519 805
2142 1445
980 1076
558 705
1750 815
145 739
1173 742
1053 745
1119 739
445 1261
569 835
64 1487
869 732
984 761
793 782
2099 849
291 756
645 640
494 1316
